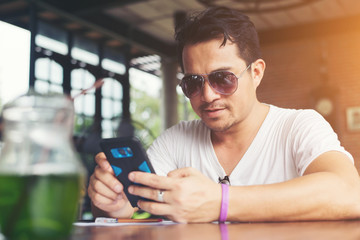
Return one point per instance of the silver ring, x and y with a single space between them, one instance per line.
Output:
160 196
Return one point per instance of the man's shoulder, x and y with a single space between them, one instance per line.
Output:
287 118
187 125
292 113
183 131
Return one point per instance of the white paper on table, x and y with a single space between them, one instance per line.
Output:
88 224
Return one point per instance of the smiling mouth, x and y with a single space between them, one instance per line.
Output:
213 109
213 113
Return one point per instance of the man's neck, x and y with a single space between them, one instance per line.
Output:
231 145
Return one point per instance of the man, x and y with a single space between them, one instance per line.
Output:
282 164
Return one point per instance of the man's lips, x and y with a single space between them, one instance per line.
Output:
212 109
212 112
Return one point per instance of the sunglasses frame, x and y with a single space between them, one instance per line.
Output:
205 77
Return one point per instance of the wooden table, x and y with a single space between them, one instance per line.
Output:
339 230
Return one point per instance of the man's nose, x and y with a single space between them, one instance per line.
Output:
208 94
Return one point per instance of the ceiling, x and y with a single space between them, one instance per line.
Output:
148 25
156 17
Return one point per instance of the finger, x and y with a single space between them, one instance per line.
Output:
107 204
102 161
98 198
108 179
151 180
145 192
99 187
181 172
155 208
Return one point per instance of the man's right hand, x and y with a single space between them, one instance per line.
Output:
106 192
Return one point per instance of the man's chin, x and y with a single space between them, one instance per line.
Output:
217 125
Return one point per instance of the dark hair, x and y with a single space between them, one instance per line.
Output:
219 22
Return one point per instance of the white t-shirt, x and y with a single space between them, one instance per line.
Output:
286 143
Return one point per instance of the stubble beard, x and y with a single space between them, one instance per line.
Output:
220 125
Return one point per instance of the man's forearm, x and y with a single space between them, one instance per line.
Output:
315 196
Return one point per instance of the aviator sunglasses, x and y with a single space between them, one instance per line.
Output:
223 82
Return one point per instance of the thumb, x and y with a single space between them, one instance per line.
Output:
102 161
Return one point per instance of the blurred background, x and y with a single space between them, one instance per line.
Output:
311 48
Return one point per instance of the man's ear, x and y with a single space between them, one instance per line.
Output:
257 71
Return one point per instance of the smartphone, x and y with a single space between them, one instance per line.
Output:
126 154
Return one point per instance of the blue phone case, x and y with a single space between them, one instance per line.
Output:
126 154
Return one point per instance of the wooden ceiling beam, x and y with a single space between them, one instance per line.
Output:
114 29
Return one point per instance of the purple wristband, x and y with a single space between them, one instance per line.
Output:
224 202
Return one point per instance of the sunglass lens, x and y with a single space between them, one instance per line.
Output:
191 85
223 82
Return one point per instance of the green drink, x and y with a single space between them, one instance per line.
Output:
38 206
40 173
